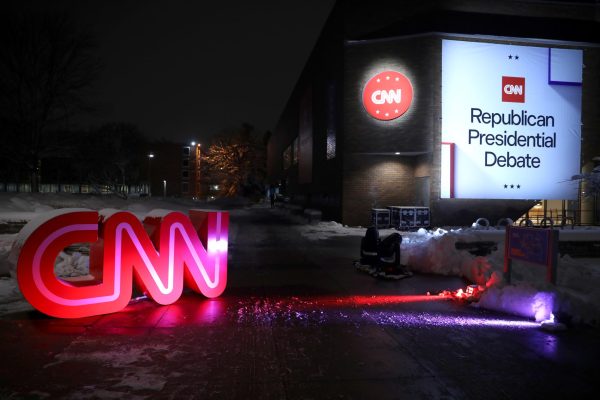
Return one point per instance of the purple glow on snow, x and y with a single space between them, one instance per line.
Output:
426 319
519 300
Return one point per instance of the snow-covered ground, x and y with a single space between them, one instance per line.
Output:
576 297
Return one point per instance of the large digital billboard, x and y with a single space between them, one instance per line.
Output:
511 121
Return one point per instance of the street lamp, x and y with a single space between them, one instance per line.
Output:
195 148
164 189
150 157
198 155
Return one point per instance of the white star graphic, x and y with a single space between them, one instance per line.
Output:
387 77
378 80
396 111
376 111
387 114
397 79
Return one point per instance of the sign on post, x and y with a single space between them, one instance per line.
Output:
533 245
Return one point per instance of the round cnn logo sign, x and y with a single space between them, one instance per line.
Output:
387 95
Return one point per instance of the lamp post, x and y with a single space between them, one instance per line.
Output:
150 157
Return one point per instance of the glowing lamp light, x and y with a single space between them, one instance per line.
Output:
177 249
471 293
472 290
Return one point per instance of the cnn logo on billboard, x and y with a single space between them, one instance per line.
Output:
513 89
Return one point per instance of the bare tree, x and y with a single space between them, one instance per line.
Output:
238 158
112 155
46 66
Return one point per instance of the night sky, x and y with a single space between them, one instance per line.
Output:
184 70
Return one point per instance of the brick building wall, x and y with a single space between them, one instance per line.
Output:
373 176
373 181
321 79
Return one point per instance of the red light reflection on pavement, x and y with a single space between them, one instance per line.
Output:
390 300
192 312
143 315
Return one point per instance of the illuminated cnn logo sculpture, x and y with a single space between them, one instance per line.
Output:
191 249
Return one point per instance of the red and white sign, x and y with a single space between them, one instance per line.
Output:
387 95
513 89
159 255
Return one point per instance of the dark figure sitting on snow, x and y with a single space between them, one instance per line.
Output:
381 258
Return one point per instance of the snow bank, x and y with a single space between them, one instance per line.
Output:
519 299
72 265
6 242
576 297
327 229
435 253
13 257
11 299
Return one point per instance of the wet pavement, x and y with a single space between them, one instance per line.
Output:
297 322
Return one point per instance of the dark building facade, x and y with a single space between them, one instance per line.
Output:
328 153
174 170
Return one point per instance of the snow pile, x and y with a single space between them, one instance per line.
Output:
6 242
10 264
9 290
576 297
71 265
520 299
328 229
435 253
11 299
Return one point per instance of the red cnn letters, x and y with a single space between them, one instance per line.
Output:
160 254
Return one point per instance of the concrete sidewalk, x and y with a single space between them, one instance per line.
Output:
296 322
